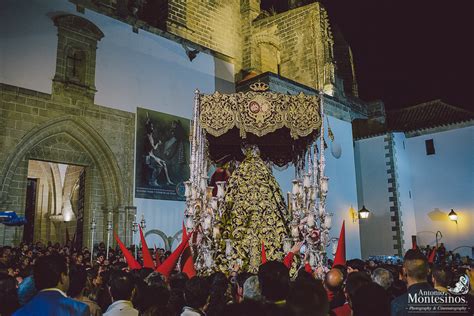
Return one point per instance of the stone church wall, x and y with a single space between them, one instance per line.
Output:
37 127
131 70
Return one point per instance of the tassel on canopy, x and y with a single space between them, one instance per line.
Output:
432 255
131 261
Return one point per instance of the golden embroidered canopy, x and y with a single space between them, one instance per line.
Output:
281 125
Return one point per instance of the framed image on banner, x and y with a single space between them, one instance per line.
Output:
162 155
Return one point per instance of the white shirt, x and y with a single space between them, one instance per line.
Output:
121 308
188 311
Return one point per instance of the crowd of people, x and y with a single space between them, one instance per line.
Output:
59 280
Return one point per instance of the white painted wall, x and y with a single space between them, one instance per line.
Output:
403 169
375 232
442 182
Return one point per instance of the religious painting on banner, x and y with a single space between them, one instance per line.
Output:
162 155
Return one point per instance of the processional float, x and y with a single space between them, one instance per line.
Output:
257 130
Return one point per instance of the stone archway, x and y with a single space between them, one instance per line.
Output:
69 140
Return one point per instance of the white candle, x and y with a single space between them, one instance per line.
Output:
216 232
228 247
307 180
189 223
295 189
207 223
214 204
313 193
295 232
220 189
328 222
203 184
187 189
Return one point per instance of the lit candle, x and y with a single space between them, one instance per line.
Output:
328 221
203 184
321 210
220 189
187 189
189 223
307 180
214 204
207 223
208 259
228 247
209 192
300 188
295 231
216 232
324 184
313 193
295 189
286 245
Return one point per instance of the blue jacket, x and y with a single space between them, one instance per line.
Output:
53 303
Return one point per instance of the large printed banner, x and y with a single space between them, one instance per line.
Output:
162 161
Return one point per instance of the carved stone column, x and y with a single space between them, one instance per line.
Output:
130 213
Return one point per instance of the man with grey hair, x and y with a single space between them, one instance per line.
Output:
382 277
252 289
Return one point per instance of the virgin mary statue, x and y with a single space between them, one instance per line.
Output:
254 212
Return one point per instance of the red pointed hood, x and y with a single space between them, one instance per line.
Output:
432 255
187 262
413 244
168 265
264 253
340 256
131 261
147 259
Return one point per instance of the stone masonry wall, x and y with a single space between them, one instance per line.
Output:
34 125
213 24
300 35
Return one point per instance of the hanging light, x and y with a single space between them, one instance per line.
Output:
363 212
453 216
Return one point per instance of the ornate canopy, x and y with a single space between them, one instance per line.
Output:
281 125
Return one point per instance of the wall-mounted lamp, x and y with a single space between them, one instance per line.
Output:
363 212
453 216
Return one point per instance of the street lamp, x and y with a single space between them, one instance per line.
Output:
364 213
453 216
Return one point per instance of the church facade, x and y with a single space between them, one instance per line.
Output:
73 74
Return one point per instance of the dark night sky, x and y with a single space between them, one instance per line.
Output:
409 51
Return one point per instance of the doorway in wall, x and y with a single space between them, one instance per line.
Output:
55 203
